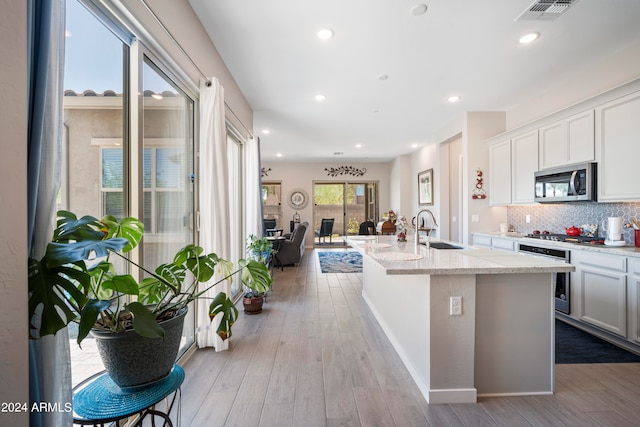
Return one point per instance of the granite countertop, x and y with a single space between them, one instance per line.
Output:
628 250
401 258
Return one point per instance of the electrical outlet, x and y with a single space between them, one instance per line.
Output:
455 306
527 218
475 218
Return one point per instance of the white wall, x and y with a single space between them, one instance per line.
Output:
303 174
400 175
599 76
13 229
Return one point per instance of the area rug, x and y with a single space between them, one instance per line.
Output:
576 346
340 262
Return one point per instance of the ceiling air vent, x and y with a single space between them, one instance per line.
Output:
546 10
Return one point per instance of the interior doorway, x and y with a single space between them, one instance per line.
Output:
348 203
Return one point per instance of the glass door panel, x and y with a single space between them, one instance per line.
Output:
355 204
328 200
167 170
93 170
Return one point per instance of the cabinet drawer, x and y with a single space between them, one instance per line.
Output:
599 260
504 244
481 240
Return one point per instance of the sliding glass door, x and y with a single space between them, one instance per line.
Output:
348 204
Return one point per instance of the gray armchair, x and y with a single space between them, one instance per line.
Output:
291 249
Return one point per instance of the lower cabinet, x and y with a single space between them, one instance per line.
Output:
599 290
633 297
494 242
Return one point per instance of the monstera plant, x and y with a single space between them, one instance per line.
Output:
76 281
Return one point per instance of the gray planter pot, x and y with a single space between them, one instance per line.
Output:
134 361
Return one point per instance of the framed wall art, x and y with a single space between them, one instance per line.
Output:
425 187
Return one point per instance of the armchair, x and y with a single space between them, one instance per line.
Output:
291 249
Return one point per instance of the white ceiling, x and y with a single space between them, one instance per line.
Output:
464 47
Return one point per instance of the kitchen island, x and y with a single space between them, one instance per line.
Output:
502 343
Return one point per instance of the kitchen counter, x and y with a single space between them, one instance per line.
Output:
501 342
468 260
629 250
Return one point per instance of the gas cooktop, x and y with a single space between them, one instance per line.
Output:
565 238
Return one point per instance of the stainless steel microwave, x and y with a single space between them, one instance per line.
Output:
566 184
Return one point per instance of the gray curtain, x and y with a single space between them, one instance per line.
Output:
49 363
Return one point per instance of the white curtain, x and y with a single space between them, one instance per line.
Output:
253 187
214 202
49 360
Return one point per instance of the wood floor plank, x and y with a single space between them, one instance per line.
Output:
502 413
339 398
213 411
246 410
372 407
277 415
472 414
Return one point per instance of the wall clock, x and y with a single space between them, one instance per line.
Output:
298 199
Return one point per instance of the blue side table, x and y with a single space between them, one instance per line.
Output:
98 400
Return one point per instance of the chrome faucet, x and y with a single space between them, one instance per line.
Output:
428 230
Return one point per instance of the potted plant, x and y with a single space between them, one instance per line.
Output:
75 281
259 250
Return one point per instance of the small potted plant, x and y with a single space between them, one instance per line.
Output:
75 281
259 250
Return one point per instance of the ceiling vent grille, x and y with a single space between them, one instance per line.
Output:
546 10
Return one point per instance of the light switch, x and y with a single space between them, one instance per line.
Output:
475 218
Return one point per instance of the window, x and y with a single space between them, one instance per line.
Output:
272 202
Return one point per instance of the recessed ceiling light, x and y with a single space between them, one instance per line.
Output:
383 77
325 34
266 131
453 98
528 38
414 145
358 145
419 9
279 155
320 97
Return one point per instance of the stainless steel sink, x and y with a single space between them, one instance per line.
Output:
442 245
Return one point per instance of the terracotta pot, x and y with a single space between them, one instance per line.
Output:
253 305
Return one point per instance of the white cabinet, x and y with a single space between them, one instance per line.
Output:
494 242
500 173
567 141
618 149
479 240
512 163
633 299
599 290
503 244
524 163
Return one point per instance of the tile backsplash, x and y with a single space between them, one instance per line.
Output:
556 217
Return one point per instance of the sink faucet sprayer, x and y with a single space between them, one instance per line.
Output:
428 229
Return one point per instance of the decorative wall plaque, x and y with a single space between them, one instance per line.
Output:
346 170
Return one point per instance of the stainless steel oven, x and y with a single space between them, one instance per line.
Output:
561 280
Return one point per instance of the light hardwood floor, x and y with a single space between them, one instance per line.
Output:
316 356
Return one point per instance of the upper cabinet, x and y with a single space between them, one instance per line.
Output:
618 149
512 163
524 163
567 141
